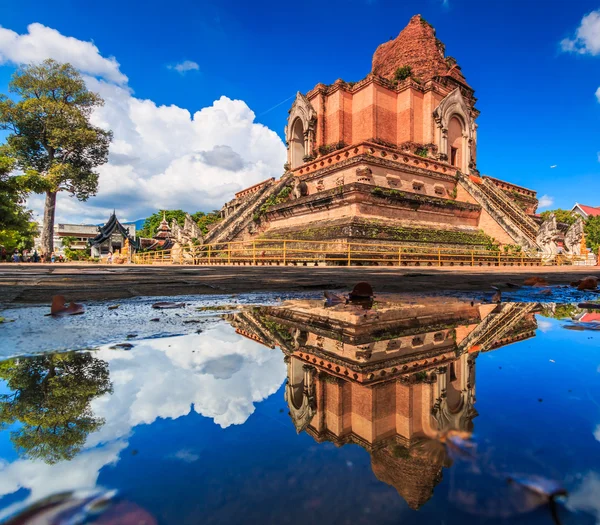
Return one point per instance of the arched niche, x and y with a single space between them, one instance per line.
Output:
300 393
456 132
300 130
296 145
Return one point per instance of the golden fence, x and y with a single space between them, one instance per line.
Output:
299 252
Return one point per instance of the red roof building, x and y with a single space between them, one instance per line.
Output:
586 211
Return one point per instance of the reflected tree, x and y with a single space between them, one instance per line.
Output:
49 403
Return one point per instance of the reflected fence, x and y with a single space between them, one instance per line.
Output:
326 253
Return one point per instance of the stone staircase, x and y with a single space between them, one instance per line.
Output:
230 227
515 222
496 325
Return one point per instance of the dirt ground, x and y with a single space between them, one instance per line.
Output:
37 283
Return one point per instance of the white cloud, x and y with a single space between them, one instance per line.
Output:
41 42
546 201
544 326
586 39
161 156
217 374
585 497
186 65
598 94
553 166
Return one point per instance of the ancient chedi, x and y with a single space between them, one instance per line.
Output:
390 158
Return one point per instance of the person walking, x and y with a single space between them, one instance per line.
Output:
16 256
109 258
52 257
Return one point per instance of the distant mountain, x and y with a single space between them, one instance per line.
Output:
139 223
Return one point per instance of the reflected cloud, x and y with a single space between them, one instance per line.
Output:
216 374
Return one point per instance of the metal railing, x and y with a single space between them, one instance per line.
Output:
299 252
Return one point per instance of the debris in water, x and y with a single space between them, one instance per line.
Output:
589 306
123 346
361 291
155 320
131 336
82 507
535 281
332 299
59 307
497 297
114 306
164 305
5 320
589 283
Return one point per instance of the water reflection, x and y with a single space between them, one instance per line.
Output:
397 379
50 403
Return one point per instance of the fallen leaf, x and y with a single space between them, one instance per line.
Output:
164 305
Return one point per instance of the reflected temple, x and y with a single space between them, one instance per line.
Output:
387 378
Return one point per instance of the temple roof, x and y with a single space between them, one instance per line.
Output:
416 46
108 229
164 230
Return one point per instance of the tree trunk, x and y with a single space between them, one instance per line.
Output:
48 226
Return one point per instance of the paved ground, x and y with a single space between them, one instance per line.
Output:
37 283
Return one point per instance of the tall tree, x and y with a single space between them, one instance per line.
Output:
50 133
49 401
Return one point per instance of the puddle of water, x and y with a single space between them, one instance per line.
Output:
413 411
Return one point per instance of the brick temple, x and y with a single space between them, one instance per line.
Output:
391 158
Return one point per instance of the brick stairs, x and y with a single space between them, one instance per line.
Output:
515 222
230 227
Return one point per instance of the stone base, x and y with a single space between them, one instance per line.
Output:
370 231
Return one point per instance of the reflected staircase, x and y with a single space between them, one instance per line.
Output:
496 325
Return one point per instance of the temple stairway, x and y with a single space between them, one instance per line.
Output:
233 225
513 220
496 325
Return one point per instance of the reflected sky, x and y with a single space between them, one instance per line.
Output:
288 413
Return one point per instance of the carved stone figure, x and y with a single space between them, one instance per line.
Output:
547 236
574 236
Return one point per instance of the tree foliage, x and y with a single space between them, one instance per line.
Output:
17 228
592 233
564 216
50 134
202 219
49 403
152 223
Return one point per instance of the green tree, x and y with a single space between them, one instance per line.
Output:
152 223
592 233
49 403
204 220
17 228
50 134
564 216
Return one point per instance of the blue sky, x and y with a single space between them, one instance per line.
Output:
538 102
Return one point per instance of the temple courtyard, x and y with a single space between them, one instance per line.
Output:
37 283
